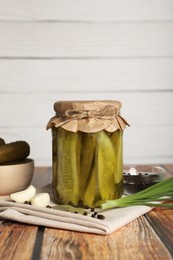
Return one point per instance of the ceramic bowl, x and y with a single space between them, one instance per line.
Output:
144 177
16 176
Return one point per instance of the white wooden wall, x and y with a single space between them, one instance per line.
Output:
54 50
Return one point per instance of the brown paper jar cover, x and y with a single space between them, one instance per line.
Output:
88 116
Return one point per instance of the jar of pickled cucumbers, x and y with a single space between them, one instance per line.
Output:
87 152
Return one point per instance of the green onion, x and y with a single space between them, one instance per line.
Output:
152 196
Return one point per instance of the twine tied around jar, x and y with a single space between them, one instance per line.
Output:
88 116
107 112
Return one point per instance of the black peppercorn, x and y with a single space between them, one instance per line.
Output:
99 216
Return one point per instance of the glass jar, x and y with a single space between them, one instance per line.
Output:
87 152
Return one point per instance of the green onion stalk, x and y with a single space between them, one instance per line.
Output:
154 196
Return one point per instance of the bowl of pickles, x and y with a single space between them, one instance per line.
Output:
16 168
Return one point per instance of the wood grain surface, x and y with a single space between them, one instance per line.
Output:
161 220
97 10
70 40
53 76
16 240
137 239
22 125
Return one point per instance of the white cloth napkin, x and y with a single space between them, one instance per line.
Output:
49 217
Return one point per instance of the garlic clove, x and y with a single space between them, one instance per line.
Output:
24 195
41 199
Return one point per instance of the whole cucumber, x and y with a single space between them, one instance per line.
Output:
14 151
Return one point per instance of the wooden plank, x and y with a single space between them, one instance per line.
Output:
145 145
26 116
106 40
169 168
83 76
97 10
119 245
141 144
35 109
17 240
162 222
38 243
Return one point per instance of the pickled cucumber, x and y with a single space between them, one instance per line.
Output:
87 167
91 192
14 151
105 163
55 160
68 169
87 157
116 138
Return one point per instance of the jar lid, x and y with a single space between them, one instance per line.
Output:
88 116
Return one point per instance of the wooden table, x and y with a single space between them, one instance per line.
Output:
148 237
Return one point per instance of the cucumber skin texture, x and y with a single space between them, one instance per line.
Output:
14 151
85 167
105 163
2 141
87 158
117 141
67 171
91 191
